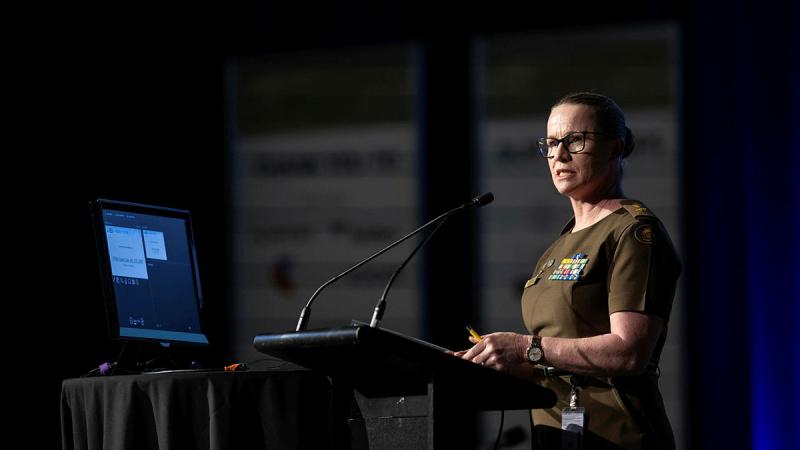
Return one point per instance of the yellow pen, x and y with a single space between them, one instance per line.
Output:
474 333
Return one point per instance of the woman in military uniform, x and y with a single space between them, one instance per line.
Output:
599 299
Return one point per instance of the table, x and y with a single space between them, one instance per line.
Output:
277 409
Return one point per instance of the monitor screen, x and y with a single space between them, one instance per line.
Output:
150 273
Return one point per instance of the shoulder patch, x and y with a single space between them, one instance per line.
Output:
636 209
644 233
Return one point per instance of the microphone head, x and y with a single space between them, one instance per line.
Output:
477 202
483 200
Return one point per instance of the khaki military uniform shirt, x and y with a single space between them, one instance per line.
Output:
624 262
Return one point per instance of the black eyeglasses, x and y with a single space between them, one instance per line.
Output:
574 143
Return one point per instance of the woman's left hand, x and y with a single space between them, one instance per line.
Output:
502 351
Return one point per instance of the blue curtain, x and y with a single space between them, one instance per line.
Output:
741 115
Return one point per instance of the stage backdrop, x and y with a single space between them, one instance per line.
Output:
325 174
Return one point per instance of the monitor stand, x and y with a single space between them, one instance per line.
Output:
137 357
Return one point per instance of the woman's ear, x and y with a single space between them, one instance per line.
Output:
618 149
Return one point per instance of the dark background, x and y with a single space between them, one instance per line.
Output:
129 104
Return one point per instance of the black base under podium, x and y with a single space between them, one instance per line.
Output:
397 392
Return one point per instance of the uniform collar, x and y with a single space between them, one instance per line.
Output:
571 223
568 226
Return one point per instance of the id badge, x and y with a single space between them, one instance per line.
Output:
573 422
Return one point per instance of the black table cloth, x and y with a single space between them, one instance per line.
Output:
280 409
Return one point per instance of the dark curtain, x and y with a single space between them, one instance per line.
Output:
741 161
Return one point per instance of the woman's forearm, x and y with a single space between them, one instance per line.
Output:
626 350
603 355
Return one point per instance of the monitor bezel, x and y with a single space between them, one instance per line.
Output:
97 207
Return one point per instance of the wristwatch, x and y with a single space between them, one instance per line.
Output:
535 352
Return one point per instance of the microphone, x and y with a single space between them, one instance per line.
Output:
380 308
479 201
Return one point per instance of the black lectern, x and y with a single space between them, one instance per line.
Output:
398 392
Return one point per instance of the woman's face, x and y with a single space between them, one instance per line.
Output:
590 174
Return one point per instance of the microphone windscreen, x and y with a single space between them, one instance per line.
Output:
484 199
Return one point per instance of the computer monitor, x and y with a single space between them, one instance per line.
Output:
148 266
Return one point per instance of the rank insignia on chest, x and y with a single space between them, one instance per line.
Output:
570 269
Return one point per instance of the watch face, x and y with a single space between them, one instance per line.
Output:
534 354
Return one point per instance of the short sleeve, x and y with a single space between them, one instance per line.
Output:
644 271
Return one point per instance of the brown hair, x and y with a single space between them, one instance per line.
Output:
609 116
